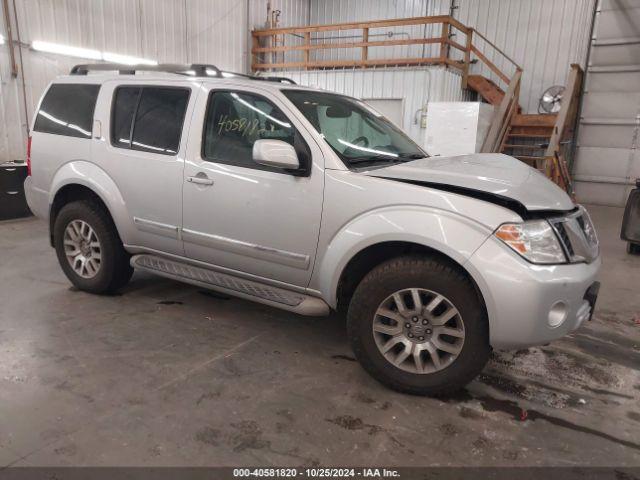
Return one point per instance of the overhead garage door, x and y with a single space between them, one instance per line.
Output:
607 161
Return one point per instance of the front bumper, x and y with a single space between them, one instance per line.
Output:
531 304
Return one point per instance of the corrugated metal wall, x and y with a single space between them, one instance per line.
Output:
178 31
416 87
216 31
543 36
338 11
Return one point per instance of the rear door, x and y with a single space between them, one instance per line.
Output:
142 148
238 214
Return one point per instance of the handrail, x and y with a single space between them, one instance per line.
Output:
513 62
501 118
564 128
568 109
397 22
365 43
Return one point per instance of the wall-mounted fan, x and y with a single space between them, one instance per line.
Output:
551 99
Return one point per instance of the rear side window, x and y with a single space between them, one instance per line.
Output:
149 118
124 108
67 109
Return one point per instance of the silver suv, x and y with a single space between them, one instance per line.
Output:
309 201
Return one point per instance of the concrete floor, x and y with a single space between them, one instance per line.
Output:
165 374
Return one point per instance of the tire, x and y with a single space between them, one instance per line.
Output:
430 277
107 263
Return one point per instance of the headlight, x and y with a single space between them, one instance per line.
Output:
535 240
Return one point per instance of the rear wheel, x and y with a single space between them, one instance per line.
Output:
416 324
89 249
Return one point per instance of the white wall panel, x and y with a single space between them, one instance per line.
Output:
293 13
216 33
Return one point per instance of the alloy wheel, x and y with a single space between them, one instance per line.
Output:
82 248
418 330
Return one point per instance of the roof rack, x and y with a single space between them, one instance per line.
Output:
193 70
256 77
274 79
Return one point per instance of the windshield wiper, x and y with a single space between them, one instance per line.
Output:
401 158
376 158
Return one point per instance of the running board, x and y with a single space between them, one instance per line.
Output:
240 287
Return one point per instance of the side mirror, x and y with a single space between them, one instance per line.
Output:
275 153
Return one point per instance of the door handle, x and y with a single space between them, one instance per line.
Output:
200 180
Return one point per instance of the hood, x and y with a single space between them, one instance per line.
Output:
483 175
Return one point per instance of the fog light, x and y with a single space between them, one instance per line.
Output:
557 314
631 221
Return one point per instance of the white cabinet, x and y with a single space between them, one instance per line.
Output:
456 128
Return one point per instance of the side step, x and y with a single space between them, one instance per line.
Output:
240 287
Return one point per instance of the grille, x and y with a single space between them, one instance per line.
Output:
564 238
577 235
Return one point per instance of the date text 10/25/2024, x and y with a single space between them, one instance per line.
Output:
315 472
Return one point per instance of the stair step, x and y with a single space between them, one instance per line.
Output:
526 147
534 120
529 158
486 88
531 130
528 135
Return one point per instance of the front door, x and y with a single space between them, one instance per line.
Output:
240 215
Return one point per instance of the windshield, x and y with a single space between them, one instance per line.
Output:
358 134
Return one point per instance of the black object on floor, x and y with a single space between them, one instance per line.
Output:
630 230
13 203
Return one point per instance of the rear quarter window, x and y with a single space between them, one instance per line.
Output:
67 109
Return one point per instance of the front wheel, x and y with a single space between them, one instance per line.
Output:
89 249
416 324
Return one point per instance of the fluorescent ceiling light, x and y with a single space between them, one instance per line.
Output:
1 40
89 53
66 50
126 60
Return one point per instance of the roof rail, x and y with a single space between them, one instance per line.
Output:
194 70
275 79
265 78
